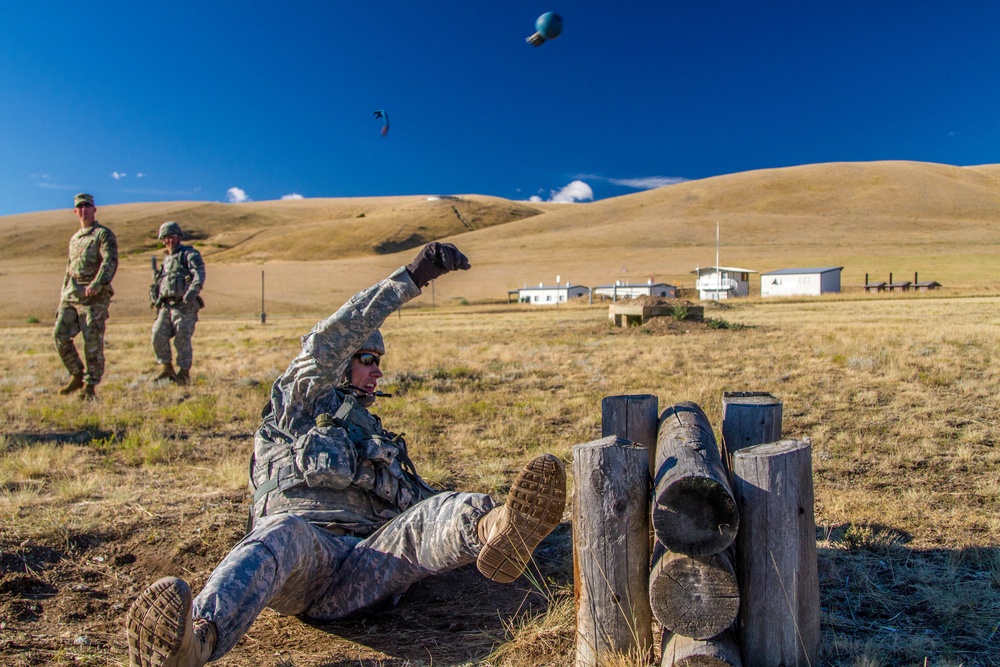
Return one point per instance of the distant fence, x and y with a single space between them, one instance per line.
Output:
717 544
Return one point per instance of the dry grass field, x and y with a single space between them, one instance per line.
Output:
899 394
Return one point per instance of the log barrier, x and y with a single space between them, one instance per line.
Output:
735 530
776 555
611 551
634 418
693 596
694 512
680 651
748 418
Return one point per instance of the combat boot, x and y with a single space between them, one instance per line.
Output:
533 508
88 393
183 377
167 373
75 382
161 631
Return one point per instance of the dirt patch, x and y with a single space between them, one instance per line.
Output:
67 607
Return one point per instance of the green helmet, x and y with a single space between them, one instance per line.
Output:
168 228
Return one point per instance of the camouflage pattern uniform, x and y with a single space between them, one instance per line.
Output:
340 518
93 261
180 283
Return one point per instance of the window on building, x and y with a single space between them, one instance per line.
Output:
548 297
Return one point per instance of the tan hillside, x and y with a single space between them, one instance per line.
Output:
302 229
872 218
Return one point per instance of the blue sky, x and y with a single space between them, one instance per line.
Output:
221 101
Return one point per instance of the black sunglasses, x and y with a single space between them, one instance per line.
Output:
367 359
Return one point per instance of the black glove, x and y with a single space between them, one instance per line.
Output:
436 259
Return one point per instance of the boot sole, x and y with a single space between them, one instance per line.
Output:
157 622
534 507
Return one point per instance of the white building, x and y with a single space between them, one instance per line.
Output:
800 282
548 295
715 283
630 291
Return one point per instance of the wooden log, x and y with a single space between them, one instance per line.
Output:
748 418
776 555
695 596
611 551
694 512
680 651
634 418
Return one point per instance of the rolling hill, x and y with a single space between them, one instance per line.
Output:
872 218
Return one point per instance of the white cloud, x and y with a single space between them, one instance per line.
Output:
140 175
236 196
575 191
294 195
647 182
640 183
118 175
535 198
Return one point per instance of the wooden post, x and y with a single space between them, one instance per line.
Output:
776 555
263 315
694 512
611 551
632 418
695 596
748 418
680 651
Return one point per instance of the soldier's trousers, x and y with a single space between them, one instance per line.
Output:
177 322
89 320
293 567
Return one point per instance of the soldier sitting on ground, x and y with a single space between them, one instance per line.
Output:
176 294
340 519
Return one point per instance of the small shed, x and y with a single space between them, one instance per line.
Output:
926 285
715 283
548 295
801 282
622 290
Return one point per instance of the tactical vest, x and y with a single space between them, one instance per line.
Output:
172 279
351 487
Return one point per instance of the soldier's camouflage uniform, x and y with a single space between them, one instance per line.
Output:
179 287
93 261
340 518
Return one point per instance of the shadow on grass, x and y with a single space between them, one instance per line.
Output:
884 603
455 618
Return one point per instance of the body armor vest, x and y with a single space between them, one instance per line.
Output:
351 484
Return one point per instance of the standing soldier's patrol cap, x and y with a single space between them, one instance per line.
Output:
168 228
83 198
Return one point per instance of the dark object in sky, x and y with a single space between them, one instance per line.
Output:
382 114
548 26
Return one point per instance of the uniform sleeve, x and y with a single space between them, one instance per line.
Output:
327 349
196 271
109 259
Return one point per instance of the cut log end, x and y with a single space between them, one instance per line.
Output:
696 516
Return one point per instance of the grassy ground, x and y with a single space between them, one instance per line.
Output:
899 396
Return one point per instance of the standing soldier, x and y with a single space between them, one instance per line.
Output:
86 293
176 295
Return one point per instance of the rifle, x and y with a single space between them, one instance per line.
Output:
154 288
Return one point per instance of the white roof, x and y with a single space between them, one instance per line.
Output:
734 269
787 272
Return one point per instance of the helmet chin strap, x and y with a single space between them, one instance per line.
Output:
365 399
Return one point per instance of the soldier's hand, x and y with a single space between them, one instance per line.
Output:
434 260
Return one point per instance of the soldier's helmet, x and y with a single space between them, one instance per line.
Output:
374 343
168 228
